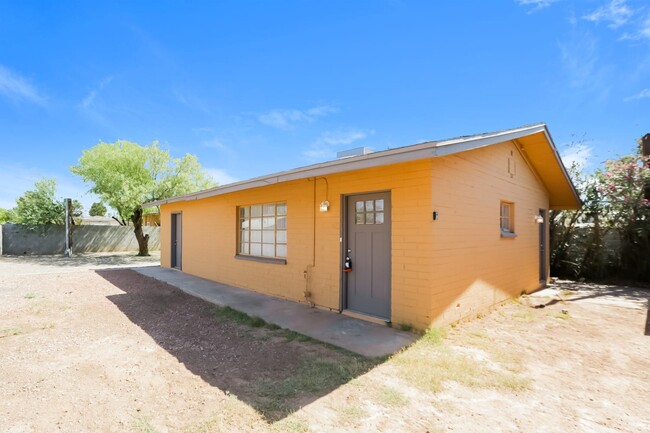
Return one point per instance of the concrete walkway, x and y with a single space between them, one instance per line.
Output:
365 338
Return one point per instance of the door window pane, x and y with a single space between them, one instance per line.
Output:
370 205
379 218
379 205
370 218
359 206
360 218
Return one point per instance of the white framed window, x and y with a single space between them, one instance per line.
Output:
507 219
263 230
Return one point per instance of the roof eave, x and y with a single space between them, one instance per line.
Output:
392 156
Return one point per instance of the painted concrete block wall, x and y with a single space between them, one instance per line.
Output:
474 266
313 244
442 270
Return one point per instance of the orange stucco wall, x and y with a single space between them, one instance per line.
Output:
442 270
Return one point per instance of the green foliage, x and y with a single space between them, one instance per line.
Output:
97 209
40 206
610 235
125 175
6 216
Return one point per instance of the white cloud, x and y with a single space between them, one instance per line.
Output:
536 4
16 87
579 154
643 31
89 99
325 146
289 118
221 176
616 13
645 93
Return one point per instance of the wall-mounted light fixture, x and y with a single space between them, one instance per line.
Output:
324 206
538 219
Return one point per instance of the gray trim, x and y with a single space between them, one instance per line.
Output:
261 259
424 150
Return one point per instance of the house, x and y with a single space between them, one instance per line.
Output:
423 235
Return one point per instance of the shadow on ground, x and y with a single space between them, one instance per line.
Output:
83 260
623 296
273 371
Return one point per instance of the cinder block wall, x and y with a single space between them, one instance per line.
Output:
50 239
441 271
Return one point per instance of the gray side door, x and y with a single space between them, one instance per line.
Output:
367 243
177 223
542 247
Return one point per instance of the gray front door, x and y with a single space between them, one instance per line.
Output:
542 247
176 249
368 245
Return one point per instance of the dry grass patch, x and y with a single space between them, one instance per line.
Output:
391 397
430 363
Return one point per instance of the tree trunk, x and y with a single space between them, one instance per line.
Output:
143 240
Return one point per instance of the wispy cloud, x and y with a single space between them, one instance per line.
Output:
616 13
289 118
221 176
579 155
214 143
190 100
641 32
645 93
88 100
535 4
327 144
580 58
15 87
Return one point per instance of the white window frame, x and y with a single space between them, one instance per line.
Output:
262 231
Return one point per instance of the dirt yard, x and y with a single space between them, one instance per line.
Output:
86 349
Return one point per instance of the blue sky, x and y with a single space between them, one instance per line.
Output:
254 87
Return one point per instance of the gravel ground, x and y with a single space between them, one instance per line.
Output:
85 347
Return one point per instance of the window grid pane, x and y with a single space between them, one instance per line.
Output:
262 230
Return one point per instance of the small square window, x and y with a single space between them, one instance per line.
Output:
507 218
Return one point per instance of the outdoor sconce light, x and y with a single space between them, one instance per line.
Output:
538 219
324 206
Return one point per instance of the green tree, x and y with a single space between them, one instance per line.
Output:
39 206
125 175
622 185
6 215
97 209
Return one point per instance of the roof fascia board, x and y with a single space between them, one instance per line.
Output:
558 159
392 156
